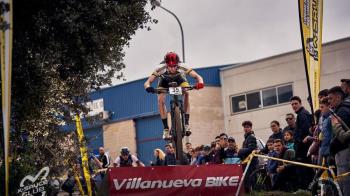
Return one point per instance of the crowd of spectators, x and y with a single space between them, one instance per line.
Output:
322 139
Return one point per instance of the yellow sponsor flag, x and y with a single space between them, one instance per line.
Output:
310 16
84 154
6 66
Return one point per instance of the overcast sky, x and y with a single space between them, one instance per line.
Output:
226 31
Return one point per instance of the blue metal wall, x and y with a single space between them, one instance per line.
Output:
149 131
95 139
130 100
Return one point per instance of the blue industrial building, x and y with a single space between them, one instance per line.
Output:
129 101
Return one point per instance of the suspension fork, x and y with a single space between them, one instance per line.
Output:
181 105
177 101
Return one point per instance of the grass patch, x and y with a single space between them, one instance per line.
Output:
280 193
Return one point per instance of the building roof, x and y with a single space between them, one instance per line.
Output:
281 55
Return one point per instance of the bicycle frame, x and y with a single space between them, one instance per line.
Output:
177 119
178 125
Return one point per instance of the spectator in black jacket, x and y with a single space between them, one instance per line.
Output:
337 148
277 133
345 85
169 155
302 130
276 130
249 144
290 119
188 149
159 157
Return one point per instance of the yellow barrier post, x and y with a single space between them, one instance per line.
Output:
84 155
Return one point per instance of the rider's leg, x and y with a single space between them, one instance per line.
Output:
187 107
163 115
187 113
162 110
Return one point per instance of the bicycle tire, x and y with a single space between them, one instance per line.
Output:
328 186
178 131
259 180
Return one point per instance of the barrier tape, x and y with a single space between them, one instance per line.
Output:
292 162
253 154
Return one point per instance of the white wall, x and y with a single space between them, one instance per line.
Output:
274 71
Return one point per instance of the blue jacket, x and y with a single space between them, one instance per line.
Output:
200 160
326 135
272 164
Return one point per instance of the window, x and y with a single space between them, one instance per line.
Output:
284 93
238 103
269 97
262 98
253 100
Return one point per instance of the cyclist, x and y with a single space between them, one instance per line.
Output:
127 160
172 71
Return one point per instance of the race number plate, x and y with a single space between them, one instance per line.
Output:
175 90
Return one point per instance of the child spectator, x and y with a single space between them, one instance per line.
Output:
271 164
288 139
326 132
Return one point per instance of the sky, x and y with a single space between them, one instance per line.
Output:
226 32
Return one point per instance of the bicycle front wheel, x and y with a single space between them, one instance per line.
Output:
260 180
178 132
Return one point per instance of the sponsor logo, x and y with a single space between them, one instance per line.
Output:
306 18
312 42
34 185
138 183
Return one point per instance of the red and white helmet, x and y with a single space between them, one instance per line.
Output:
171 59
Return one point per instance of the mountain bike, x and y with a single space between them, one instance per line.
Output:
326 183
177 113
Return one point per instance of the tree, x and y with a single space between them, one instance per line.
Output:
62 50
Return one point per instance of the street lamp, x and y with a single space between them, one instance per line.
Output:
157 3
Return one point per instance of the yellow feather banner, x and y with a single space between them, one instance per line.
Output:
310 16
6 69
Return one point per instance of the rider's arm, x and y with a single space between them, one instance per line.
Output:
149 81
195 75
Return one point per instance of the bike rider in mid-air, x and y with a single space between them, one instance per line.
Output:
172 71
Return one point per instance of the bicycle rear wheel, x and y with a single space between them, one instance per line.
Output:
178 132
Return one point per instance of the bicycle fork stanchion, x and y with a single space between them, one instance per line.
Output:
250 158
336 178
